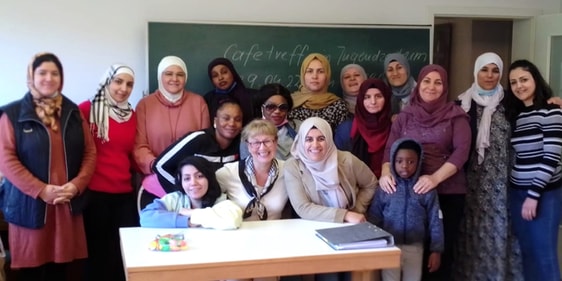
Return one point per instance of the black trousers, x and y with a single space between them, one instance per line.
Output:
103 217
452 207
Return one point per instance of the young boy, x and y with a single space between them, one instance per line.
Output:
408 216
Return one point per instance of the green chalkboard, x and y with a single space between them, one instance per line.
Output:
269 53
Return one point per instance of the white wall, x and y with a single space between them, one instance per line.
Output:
90 35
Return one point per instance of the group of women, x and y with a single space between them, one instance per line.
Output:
494 161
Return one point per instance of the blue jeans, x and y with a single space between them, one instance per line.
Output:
538 238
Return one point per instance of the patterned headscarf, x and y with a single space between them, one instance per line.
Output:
48 108
104 106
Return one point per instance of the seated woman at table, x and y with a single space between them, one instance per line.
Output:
275 102
197 201
325 184
313 98
256 182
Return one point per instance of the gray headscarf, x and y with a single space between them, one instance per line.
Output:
351 99
400 93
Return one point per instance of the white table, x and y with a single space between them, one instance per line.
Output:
257 249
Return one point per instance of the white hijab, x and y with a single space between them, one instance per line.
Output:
488 99
325 171
165 63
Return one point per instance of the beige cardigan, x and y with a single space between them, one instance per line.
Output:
306 200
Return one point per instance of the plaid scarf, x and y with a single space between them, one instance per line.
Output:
103 106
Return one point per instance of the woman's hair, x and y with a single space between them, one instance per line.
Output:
228 101
258 127
206 168
269 90
47 57
514 106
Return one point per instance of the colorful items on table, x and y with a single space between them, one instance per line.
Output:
168 243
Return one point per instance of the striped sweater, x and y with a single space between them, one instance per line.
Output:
537 141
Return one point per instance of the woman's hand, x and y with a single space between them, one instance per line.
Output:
185 212
354 217
386 181
425 184
529 209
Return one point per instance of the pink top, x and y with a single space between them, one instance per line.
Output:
160 123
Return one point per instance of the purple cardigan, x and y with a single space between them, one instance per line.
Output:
447 141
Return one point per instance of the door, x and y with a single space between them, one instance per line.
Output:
548 48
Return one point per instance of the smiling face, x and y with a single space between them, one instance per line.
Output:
315 145
488 76
522 85
351 81
47 79
121 86
406 163
373 101
315 77
173 79
228 122
222 77
262 147
193 182
431 87
396 74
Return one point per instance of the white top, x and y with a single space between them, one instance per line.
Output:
275 200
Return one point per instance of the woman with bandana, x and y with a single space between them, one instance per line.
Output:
47 156
112 203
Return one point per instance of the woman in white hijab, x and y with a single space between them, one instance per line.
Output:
324 183
165 116
487 249
112 200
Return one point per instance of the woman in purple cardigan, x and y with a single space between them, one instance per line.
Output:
444 132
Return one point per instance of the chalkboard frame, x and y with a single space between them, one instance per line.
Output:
169 38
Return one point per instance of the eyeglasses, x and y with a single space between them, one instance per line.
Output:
272 107
257 144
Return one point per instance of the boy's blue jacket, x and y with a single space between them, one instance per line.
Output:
409 217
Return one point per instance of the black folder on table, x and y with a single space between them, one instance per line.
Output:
356 236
